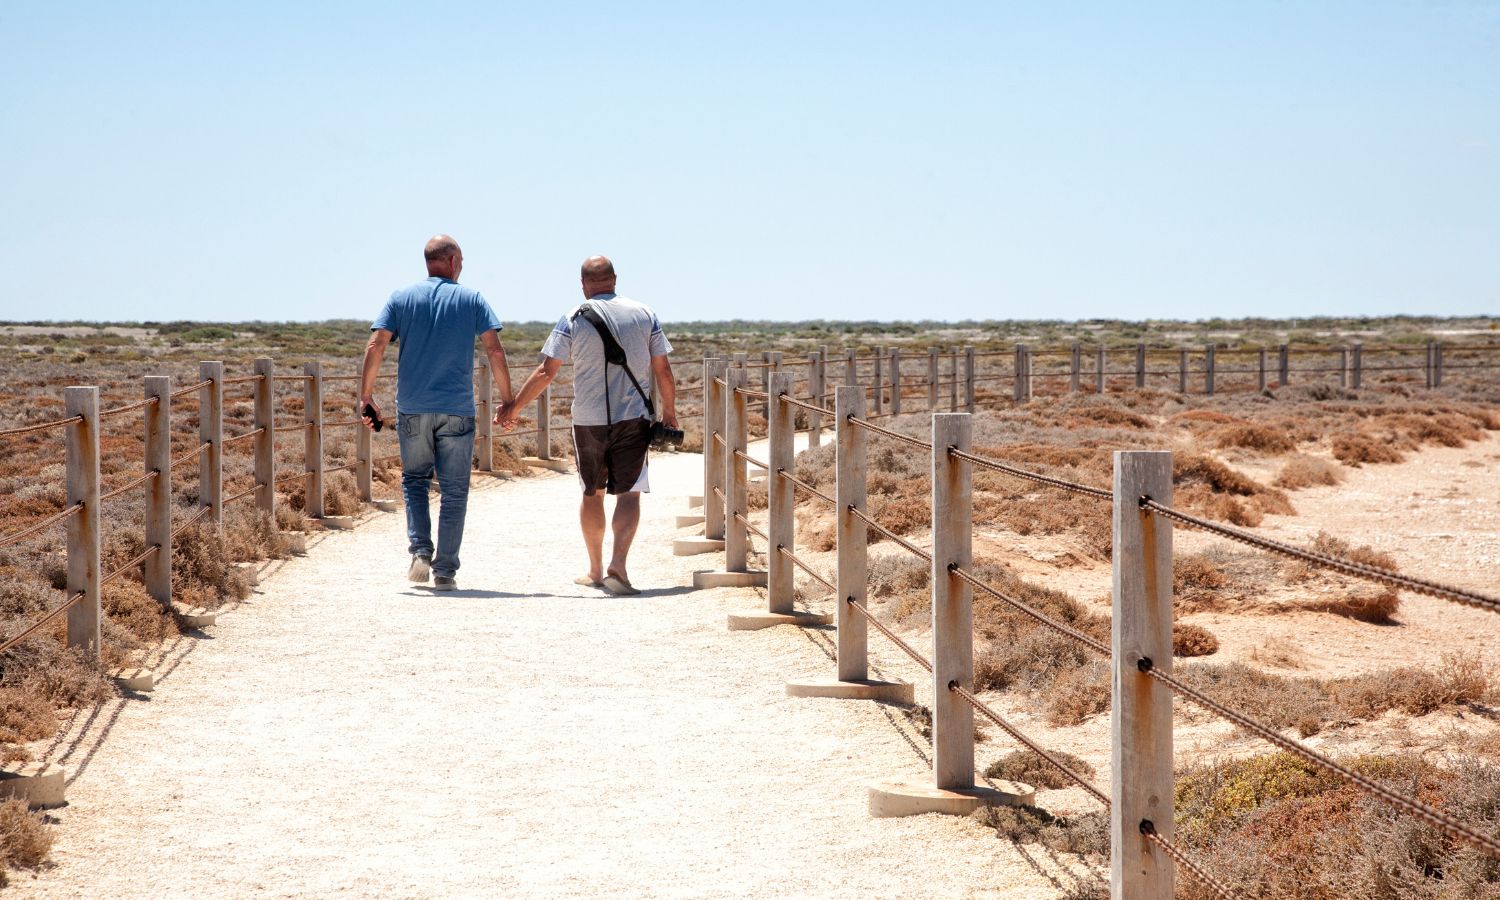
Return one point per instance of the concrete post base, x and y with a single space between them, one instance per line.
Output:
386 505
685 521
336 523
884 691
758 619
556 465
296 542
140 681
193 616
694 501
251 570
892 799
41 785
694 546
728 579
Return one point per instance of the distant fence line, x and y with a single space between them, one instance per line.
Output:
1145 857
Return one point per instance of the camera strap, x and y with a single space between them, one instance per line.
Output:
613 353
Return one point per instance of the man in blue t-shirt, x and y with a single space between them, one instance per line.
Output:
435 322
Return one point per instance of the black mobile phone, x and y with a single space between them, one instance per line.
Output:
373 416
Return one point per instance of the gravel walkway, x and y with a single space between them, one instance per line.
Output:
344 733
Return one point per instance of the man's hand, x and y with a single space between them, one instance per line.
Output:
368 401
669 418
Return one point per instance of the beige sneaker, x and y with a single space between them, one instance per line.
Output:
421 567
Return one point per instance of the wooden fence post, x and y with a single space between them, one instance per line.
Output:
879 381
969 376
312 444
1358 375
544 423
736 476
1099 369
1075 367
1018 391
1141 717
1182 370
1343 367
895 381
952 615
714 371
1140 365
932 379
816 389
1208 369
739 360
1437 364
853 536
265 440
83 527
1283 366
851 371
1260 377
211 432
953 379
484 413
1030 375
157 571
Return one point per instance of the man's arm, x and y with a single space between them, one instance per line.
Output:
666 385
374 355
536 382
499 370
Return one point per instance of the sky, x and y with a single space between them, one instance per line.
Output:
837 160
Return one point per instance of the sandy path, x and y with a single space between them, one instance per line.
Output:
343 733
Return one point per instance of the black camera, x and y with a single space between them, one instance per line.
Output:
663 436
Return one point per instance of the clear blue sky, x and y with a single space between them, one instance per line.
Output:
774 160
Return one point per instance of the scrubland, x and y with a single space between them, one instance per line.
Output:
1265 822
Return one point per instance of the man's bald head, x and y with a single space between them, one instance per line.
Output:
444 258
598 268
598 276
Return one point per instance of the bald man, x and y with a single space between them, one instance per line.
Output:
611 420
435 321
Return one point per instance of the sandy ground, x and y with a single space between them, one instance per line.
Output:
345 733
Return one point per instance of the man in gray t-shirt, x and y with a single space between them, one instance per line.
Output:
611 422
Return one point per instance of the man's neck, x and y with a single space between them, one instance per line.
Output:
602 295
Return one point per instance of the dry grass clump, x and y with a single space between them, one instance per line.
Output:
1197 580
1363 601
1257 436
1278 827
1459 678
1277 701
1108 415
1193 640
203 571
1278 652
1085 835
1356 448
25 839
1208 486
1308 471
1028 767
898 575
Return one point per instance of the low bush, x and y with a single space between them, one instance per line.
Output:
1028 767
1193 640
1264 438
25 839
1308 471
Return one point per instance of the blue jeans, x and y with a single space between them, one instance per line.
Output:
446 443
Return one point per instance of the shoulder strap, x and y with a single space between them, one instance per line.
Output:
613 353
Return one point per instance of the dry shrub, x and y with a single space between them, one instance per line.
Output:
1278 701
1356 448
897 575
1279 827
1028 767
249 535
756 496
136 612
1459 678
816 530
341 495
1278 652
25 840
1195 470
203 573
59 675
901 516
1378 605
1196 578
1378 608
1193 640
1077 694
25 716
1308 471
1209 416
1109 415
1085 835
1254 436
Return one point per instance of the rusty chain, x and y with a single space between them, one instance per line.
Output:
796 561
751 528
191 454
130 565
71 601
910 547
1093 644
241 495
889 433
894 638
131 486
184 391
1346 566
41 426
806 487
1031 745
1148 830
118 410
1070 486
50 520
243 437
740 454
192 520
1434 817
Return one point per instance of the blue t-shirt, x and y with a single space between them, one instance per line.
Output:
435 323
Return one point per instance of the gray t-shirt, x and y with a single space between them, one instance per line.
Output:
636 328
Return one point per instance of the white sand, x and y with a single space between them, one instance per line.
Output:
344 733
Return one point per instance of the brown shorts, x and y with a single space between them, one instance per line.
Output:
612 457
